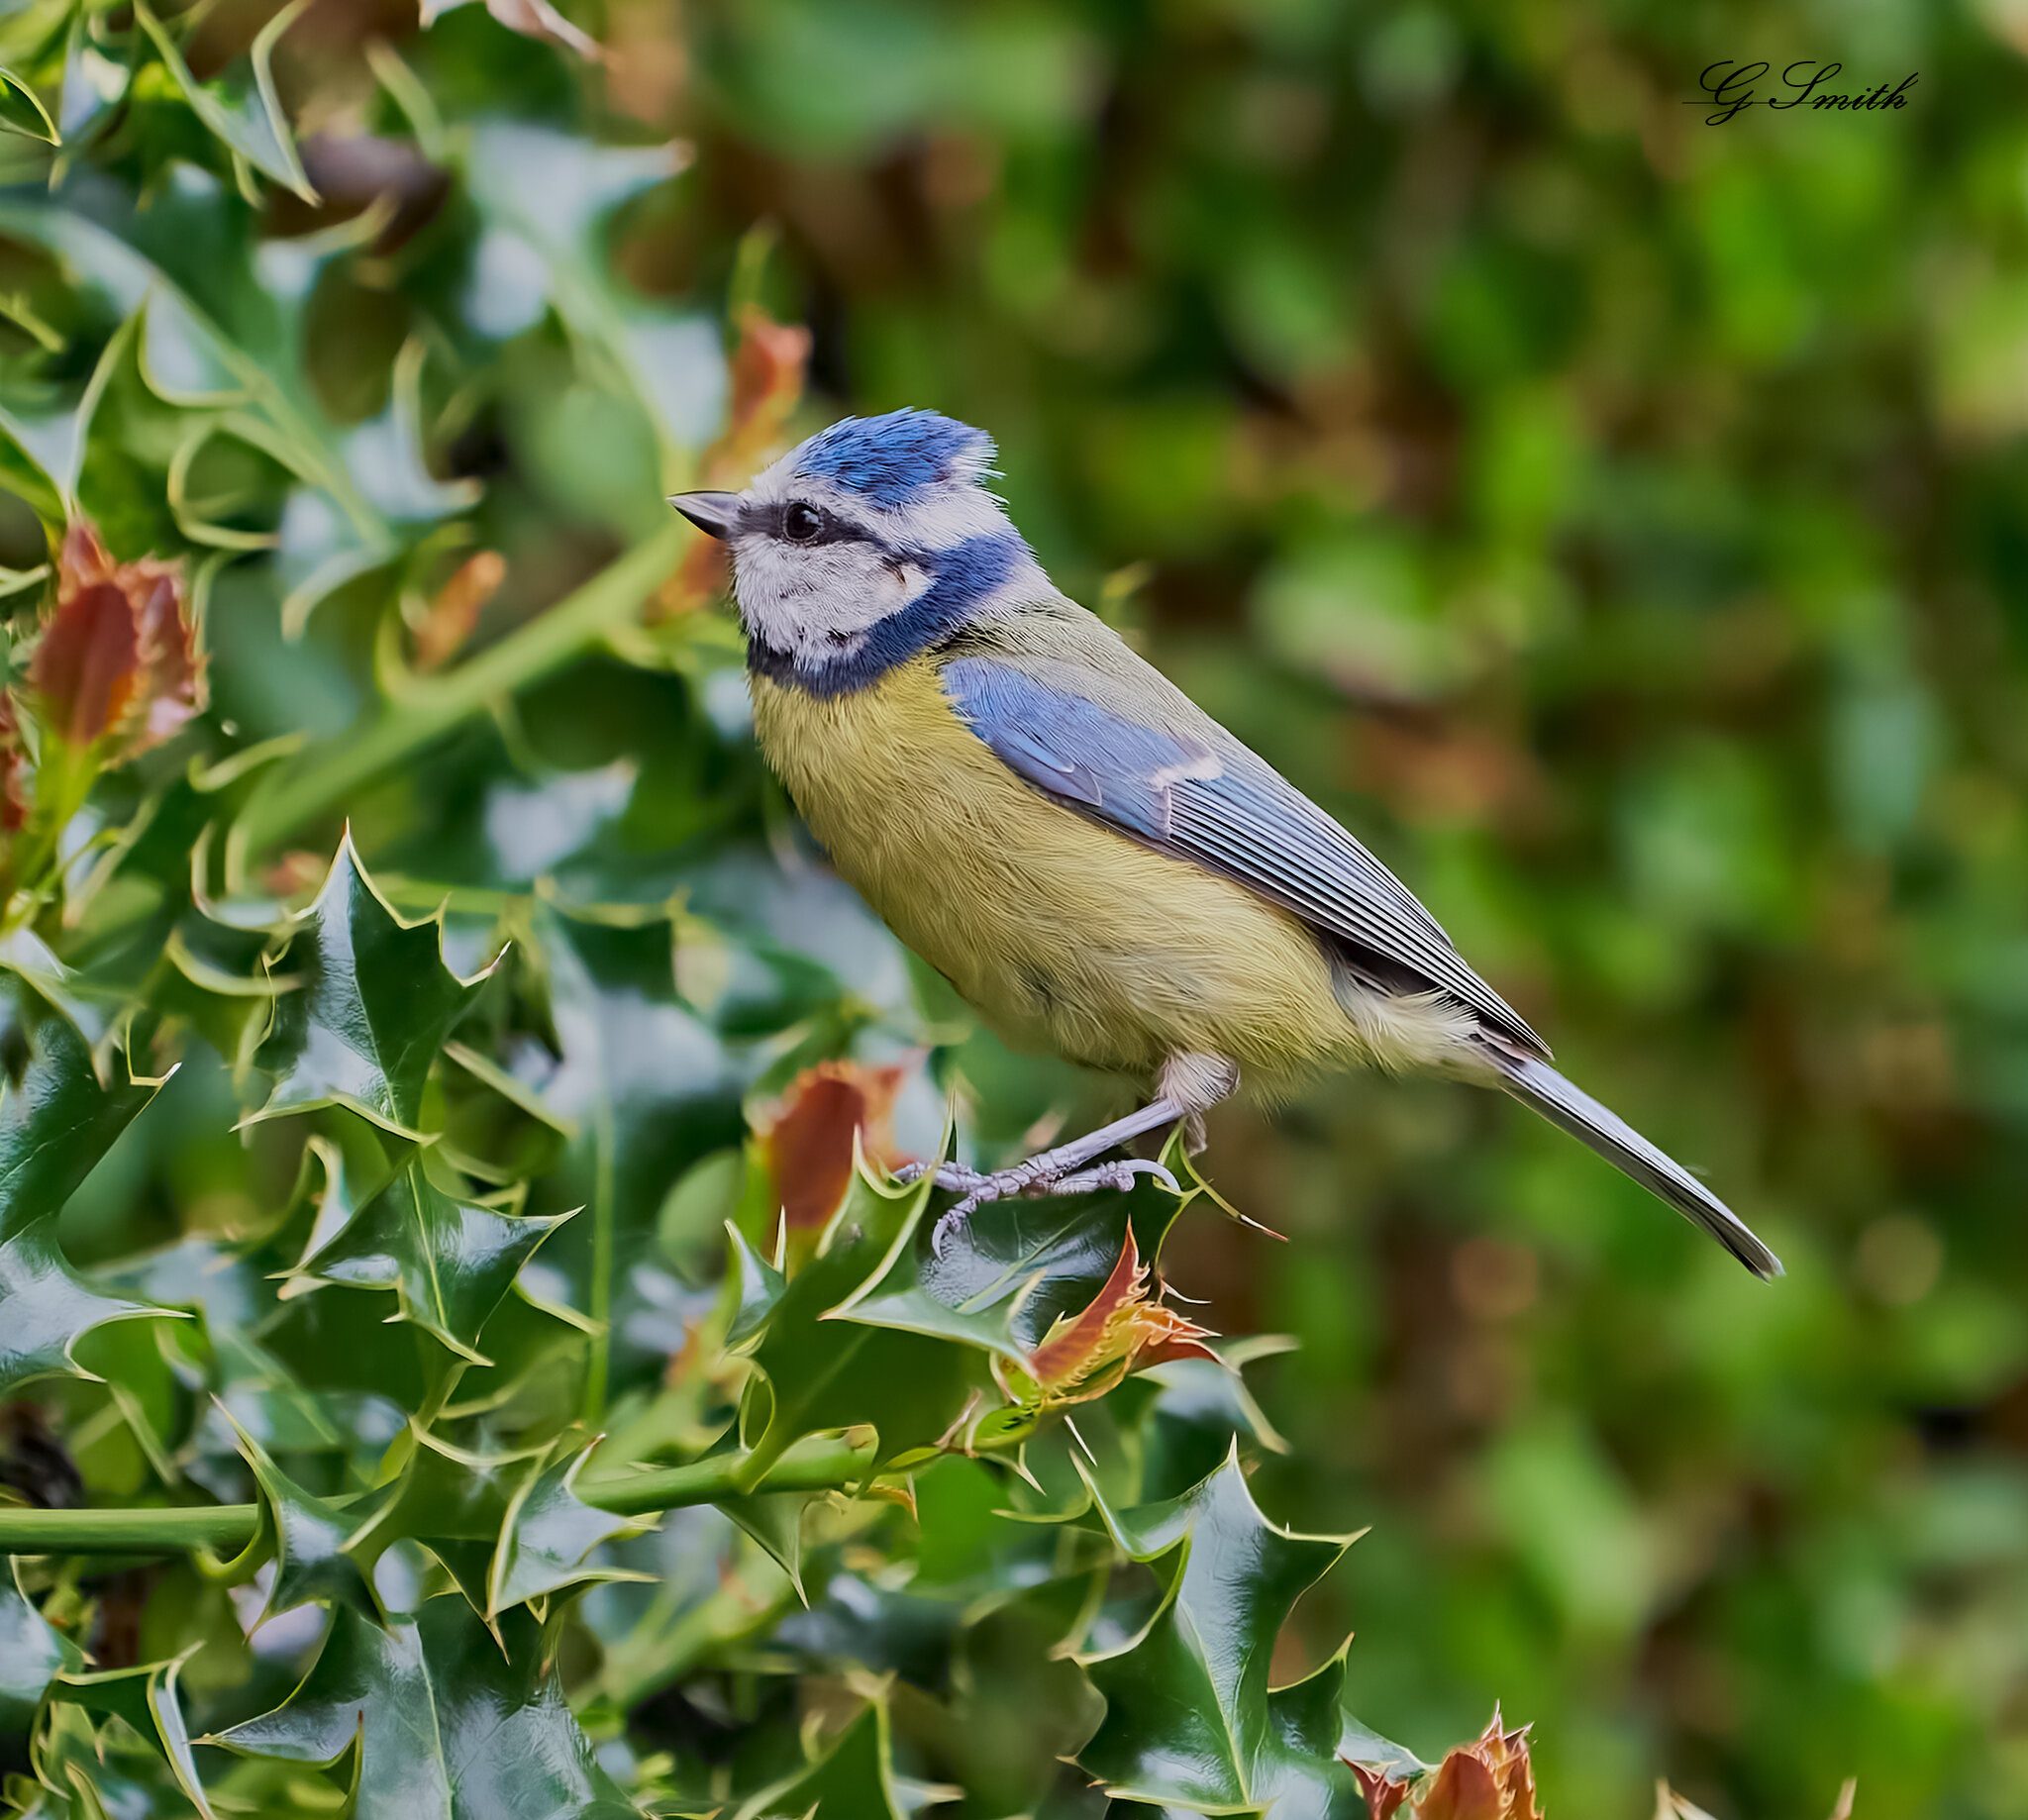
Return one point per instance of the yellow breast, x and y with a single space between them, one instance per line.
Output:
1064 933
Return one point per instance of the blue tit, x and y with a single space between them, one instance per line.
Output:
1093 862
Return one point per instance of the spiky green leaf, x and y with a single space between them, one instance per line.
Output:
374 1003
1190 1720
446 1723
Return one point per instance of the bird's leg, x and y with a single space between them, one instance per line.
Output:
953 1175
1059 1170
1188 1084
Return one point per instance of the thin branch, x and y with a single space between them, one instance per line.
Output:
811 1466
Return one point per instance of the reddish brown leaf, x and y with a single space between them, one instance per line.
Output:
768 383
1490 1778
1505 1754
1084 1355
87 666
1383 1798
452 614
118 662
807 1142
1463 1788
767 368
14 791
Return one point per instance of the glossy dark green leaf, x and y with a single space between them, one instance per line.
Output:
449 1260
453 1501
546 1534
447 1722
375 1002
305 1536
57 1120
755 1285
775 1521
1191 1719
45 1306
87 1769
820 1370
643 1082
22 111
1014 1704
147 1698
31 1654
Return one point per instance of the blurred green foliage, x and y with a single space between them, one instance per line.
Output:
1615 517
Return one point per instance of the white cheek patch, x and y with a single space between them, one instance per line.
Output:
818 602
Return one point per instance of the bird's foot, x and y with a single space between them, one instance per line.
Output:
1032 1179
951 1175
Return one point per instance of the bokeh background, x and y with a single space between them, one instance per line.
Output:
1617 519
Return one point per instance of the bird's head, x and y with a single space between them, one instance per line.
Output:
865 546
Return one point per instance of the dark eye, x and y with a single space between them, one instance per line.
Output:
801 523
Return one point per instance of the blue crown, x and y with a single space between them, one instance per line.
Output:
895 458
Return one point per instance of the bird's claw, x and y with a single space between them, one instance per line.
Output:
1025 1184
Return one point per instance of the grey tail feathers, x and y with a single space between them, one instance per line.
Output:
1535 1083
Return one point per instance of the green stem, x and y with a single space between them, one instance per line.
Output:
812 1466
321 778
600 1300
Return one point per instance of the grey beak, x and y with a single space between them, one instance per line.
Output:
714 514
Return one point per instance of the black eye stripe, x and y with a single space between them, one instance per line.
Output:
772 521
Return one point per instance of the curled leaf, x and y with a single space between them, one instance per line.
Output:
767 367
1383 1796
118 664
767 384
1125 1326
806 1140
14 785
1490 1778
452 614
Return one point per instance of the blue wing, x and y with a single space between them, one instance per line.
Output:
1205 797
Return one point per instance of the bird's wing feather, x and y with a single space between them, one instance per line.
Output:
1201 795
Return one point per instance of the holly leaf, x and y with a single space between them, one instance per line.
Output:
373 1007
755 1285
22 111
147 1698
449 1260
820 1369
246 117
547 1532
453 1501
32 1653
856 1776
443 1722
57 1120
1190 1721
92 1772
304 1534
645 1084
